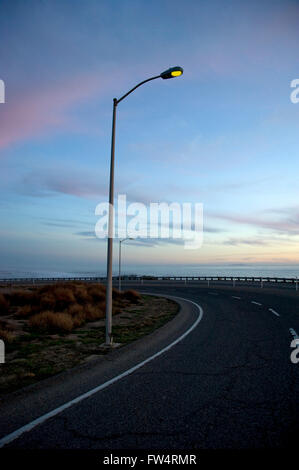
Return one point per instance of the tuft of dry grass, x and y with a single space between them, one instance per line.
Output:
6 335
63 297
25 311
21 297
52 321
132 295
94 312
98 295
47 301
75 310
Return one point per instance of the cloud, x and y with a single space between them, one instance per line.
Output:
288 224
49 182
213 230
47 108
138 242
65 223
86 234
244 241
39 111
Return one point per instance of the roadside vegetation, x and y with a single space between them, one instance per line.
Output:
53 327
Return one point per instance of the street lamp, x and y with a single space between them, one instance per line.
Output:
119 261
169 73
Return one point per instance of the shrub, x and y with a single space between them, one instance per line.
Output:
116 294
22 297
6 335
132 296
52 321
74 310
93 312
80 293
79 320
63 296
47 301
25 311
97 294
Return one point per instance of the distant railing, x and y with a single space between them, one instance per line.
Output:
142 279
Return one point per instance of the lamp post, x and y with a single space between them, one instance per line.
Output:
169 73
119 261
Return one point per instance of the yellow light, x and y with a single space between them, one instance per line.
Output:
176 73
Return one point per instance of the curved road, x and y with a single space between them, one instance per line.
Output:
229 384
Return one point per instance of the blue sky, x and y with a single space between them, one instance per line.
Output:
225 134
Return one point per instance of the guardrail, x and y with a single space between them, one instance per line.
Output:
234 279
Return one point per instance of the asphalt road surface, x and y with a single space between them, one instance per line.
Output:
229 383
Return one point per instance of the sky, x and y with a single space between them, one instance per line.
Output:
225 134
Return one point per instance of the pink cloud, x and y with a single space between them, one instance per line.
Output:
289 224
46 109
39 111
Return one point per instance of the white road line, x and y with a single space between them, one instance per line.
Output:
273 311
212 293
235 297
28 427
255 303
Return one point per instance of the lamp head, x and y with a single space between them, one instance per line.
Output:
172 72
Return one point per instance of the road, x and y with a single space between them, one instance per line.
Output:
229 383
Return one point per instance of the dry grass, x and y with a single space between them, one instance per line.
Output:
6 335
132 296
52 321
64 306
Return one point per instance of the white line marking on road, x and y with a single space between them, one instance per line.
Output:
212 293
235 297
255 303
28 427
273 311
